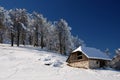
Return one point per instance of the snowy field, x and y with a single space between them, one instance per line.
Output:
27 63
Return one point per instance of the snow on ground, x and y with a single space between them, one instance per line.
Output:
27 63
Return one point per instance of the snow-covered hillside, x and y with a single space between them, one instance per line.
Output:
27 63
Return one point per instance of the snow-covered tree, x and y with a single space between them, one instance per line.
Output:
118 51
9 28
5 22
19 19
2 27
107 52
48 35
77 42
64 36
115 63
2 17
39 29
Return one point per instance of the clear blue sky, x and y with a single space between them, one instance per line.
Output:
97 22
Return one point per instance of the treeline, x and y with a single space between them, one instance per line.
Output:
17 26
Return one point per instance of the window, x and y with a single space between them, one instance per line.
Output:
97 62
79 55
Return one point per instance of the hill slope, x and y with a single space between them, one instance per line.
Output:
27 63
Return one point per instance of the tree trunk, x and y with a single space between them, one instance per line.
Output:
1 38
30 40
18 38
64 45
60 42
36 37
23 37
18 34
12 39
42 43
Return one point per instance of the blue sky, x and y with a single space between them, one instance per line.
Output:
97 22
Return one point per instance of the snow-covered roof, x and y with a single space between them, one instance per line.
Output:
92 53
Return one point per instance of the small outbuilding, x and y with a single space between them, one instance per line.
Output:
86 57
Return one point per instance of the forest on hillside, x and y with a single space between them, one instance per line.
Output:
17 26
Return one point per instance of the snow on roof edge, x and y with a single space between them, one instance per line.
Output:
99 58
78 49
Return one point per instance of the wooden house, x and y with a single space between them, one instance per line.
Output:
86 57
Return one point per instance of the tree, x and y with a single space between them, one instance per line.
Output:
19 18
107 52
12 36
2 17
5 24
117 52
115 63
64 36
30 30
39 28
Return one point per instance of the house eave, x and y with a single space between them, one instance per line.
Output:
99 58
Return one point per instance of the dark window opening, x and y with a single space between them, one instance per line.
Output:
102 63
79 57
79 54
97 62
